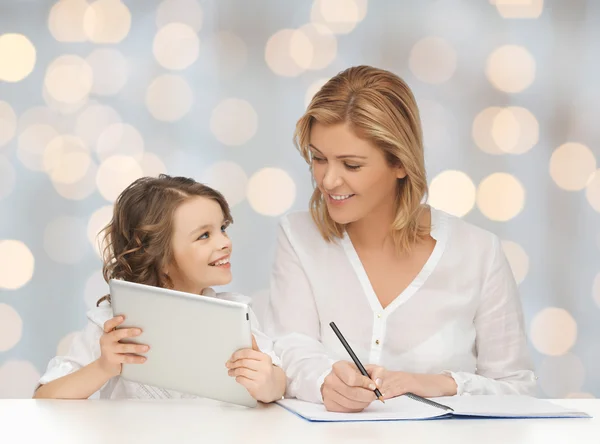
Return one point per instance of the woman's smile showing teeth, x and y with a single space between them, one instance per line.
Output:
339 198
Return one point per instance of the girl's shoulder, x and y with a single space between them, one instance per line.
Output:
99 315
227 296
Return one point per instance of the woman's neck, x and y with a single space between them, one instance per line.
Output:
374 230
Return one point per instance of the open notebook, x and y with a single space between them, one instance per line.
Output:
406 408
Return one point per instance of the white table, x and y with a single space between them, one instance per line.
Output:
208 422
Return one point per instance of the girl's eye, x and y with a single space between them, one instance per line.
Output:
203 236
223 228
318 159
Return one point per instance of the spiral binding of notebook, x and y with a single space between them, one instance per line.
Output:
429 402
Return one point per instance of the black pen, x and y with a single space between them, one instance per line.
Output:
338 333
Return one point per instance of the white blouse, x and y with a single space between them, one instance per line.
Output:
461 315
85 349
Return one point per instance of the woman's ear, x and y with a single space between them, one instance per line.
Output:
400 172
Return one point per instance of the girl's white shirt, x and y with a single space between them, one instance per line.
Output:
85 349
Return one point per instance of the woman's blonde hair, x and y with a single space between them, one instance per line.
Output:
380 108
136 243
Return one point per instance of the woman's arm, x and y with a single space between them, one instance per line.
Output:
296 323
503 362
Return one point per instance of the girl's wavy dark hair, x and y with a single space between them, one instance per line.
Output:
136 243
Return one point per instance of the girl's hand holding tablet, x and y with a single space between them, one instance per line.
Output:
115 353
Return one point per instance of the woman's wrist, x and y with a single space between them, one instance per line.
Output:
446 384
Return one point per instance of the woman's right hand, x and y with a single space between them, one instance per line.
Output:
346 390
114 353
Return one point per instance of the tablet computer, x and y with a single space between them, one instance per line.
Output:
191 337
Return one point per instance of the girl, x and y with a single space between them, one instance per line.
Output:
426 298
168 232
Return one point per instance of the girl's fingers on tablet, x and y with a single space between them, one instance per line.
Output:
123 333
131 359
131 348
111 324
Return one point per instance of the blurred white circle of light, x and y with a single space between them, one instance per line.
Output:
515 130
500 197
110 70
571 166
592 192
65 240
18 57
152 165
453 192
432 60
517 259
519 9
82 188
98 220
16 264
340 16
66 159
7 177
43 115
229 53
278 52
69 79
169 98
510 68
271 191
32 144
234 122
187 12
65 21
18 379
8 123
313 89
229 178
482 130
115 174
553 331
63 108
120 139
12 327
93 120
323 44
176 46
107 21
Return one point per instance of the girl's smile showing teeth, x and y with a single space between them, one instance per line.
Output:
223 262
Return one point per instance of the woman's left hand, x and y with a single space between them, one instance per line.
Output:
255 370
392 384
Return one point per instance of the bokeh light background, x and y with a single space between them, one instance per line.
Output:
94 94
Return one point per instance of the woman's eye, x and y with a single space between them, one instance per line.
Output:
318 159
353 167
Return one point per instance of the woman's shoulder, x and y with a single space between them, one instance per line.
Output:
462 233
297 221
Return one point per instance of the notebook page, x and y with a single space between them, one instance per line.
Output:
507 406
394 409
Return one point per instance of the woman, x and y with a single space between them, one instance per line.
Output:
428 300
